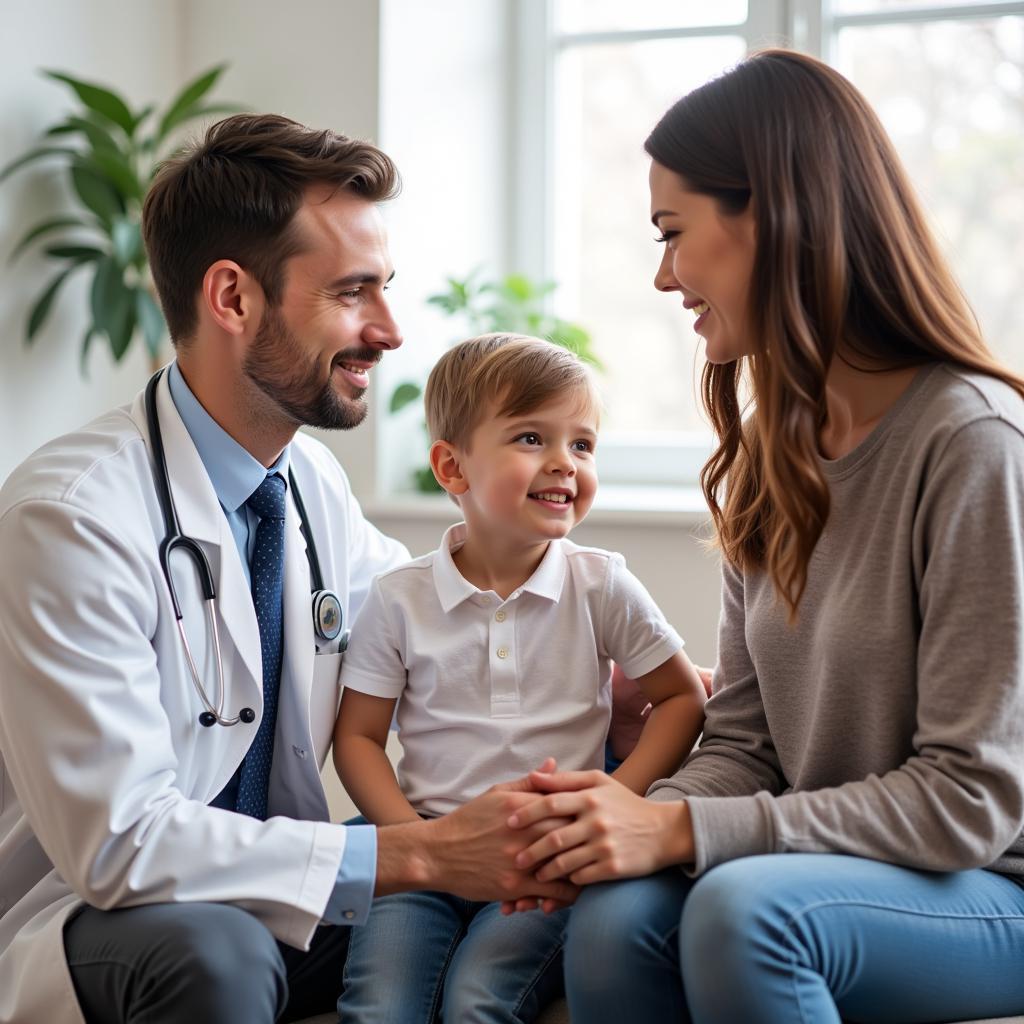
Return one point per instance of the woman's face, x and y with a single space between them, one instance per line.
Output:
708 258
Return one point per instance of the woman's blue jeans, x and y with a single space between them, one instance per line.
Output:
423 956
801 938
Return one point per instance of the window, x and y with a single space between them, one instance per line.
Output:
594 76
950 91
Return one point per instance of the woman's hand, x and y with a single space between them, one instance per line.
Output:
705 677
615 834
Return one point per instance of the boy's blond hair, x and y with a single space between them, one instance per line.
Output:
519 372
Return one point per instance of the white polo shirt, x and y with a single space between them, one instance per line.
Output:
489 688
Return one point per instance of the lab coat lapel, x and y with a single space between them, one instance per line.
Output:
201 516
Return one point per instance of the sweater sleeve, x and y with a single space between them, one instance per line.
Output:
957 801
736 755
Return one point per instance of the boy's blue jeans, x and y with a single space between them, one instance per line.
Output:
424 955
798 938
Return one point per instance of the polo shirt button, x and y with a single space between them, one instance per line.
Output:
499 616
502 652
349 914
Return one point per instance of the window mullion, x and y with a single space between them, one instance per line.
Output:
766 23
532 141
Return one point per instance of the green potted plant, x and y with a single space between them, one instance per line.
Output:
110 152
513 304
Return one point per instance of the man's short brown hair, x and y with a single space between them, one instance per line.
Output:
517 372
233 196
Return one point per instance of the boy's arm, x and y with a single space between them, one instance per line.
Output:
677 697
360 737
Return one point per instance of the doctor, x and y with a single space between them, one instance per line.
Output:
165 850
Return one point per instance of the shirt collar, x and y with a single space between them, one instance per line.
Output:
234 473
453 588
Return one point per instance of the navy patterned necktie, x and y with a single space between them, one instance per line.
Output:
267 501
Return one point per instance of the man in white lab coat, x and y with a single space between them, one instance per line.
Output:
152 865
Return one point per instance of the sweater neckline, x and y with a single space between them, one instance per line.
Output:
846 464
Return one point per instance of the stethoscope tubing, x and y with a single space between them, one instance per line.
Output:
174 540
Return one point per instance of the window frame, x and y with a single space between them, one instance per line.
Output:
812 26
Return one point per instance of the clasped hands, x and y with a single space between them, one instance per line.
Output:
561 830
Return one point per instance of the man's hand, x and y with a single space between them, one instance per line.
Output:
613 833
472 851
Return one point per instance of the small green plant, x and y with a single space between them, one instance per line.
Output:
111 153
515 304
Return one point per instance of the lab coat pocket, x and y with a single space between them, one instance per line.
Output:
324 698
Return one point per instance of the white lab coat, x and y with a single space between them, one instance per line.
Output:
105 772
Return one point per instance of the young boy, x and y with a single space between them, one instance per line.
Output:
500 646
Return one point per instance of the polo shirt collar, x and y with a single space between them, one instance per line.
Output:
234 473
453 588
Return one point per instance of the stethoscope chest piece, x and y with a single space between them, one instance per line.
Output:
327 615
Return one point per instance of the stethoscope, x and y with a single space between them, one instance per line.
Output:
327 614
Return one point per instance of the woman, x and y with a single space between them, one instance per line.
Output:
849 829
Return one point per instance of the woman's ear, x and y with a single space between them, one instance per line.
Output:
447 469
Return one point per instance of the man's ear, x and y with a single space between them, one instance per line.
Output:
446 466
232 298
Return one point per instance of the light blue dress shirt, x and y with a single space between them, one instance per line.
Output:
235 474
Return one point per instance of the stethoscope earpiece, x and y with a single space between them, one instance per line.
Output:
247 715
207 718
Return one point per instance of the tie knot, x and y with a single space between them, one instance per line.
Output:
267 501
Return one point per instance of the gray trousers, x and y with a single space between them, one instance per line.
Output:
197 963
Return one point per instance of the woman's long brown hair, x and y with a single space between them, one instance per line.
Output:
845 267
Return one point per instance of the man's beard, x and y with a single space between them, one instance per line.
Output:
277 365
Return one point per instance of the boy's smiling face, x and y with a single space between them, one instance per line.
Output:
531 477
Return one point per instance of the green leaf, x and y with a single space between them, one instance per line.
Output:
77 253
211 108
574 338
445 302
112 165
186 99
98 136
150 319
113 305
96 192
99 99
426 482
104 102
54 224
127 241
120 334
39 312
142 115
404 395
37 154
518 287
196 112
90 333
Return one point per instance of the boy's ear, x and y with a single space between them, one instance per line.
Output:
445 464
